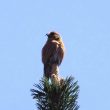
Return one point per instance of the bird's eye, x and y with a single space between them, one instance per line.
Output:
57 38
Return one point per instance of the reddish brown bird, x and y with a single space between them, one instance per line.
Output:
52 53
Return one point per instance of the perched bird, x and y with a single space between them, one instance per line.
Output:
52 54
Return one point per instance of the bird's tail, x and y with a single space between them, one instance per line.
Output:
47 70
50 69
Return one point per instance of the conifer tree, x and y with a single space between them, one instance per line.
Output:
50 95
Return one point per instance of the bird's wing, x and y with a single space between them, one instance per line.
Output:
60 54
49 50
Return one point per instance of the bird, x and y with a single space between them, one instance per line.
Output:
52 53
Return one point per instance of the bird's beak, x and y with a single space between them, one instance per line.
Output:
47 34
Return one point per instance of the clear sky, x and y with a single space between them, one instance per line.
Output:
85 29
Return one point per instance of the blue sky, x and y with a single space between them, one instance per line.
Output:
85 29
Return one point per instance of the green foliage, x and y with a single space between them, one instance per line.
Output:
50 96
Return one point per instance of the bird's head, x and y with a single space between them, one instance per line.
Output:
53 36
